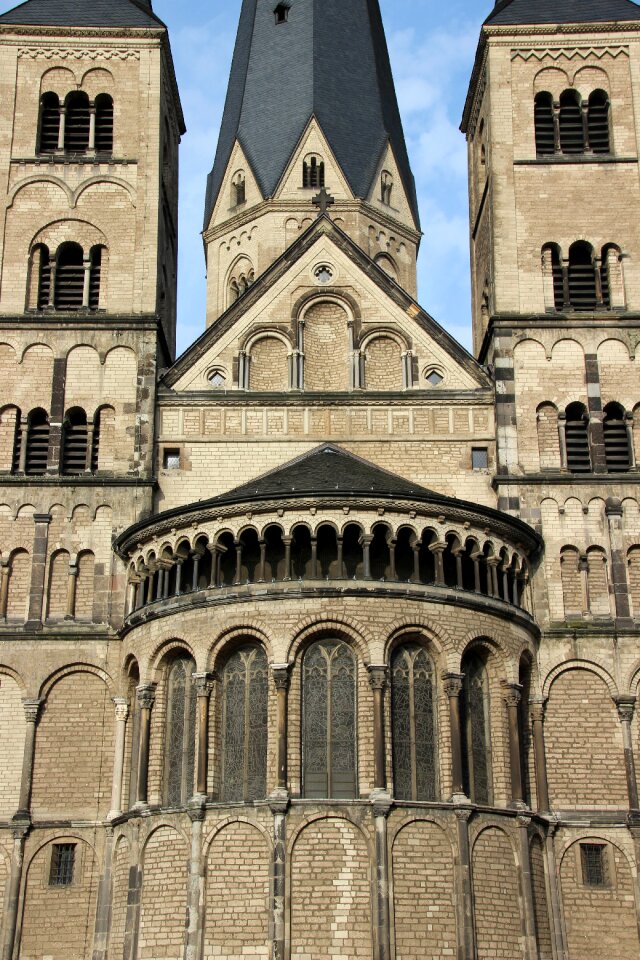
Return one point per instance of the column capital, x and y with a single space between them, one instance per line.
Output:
280 674
381 803
203 682
31 709
146 695
378 675
438 547
512 694
626 704
452 683
537 710
122 707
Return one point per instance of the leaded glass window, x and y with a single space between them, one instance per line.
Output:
329 721
475 739
413 723
244 724
181 735
63 858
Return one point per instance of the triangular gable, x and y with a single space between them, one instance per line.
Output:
279 280
313 141
399 207
224 207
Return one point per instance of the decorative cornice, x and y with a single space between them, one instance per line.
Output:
74 53
556 53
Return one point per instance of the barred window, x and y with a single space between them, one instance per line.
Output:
329 721
74 442
104 124
77 122
37 452
63 858
594 864
413 723
617 448
180 737
49 123
577 439
245 687
475 725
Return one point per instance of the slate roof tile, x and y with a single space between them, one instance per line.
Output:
517 12
83 13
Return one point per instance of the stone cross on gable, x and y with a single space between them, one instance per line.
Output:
323 201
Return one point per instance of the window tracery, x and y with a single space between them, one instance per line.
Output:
329 721
180 732
413 723
476 740
245 694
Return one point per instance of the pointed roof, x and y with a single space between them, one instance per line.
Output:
329 60
80 13
522 12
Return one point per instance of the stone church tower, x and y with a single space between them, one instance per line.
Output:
321 640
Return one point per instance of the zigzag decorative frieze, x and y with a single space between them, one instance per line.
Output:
57 53
571 53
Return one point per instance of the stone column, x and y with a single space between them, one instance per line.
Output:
215 551
146 694
492 576
613 511
5 573
36 589
203 683
92 126
531 952
626 706
86 286
195 893
13 893
382 939
452 688
437 549
365 540
536 709
31 712
378 681
103 909
238 577
62 127
464 889
554 894
279 806
122 713
72 589
280 673
512 699
287 557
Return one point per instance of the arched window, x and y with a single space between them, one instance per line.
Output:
582 276
543 124
413 723
245 686
386 187
74 442
571 125
617 446
37 442
41 274
180 732
238 189
570 576
329 721
69 288
95 276
77 122
240 279
104 124
598 122
475 730
103 439
552 277
49 123
576 432
313 172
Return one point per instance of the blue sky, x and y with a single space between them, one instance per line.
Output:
432 45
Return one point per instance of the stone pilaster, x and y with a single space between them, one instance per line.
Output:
378 679
38 565
280 674
452 688
12 901
122 713
203 683
146 695
626 706
31 712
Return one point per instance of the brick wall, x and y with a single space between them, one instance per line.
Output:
164 897
325 348
13 725
383 365
269 365
495 893
119 897
540 905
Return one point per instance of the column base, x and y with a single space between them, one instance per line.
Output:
460 799
279 800
381 801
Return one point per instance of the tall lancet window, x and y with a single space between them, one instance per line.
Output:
329 721
475 730
245 685
181 732
413 723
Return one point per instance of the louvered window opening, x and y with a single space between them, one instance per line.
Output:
240 191
44 279
413 724
616 444
571 127
95 442
63 857
95 277
37 445
77 124
598 123
577 443
69 289
181 726
49 123
17 444
245 692
477 782
104 124
582 286
544 125
313 173
329 721
74 446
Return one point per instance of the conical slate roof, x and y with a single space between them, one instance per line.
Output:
520 12
329 60
82 13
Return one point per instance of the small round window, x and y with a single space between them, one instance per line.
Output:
323 273
433 377
217 379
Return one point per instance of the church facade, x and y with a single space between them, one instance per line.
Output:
321 640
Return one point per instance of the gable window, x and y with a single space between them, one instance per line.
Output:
433 377
313 172
386 187
329 721
281 13
413 723
245 692
63 858
239 190
217 379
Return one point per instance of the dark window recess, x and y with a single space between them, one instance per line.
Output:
77 123
17 444
479 458
44 275
598 122
49 123
63 858
69 277
571 126
616 439
313 173
582 277
74 442
281 13
95 274
104 124
171 460
577 439
95 442
240 192
594 871
37 443
543 123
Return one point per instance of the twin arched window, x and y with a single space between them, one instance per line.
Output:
313 172
81 441
571 126
584 281
77 126
69 280
578 444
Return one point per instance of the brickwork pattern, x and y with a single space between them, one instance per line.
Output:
383 365
495 888
540 904
325 348
13 725
163 901
269 365
119 897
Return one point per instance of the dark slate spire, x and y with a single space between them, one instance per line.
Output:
521 12
329 60
81 13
